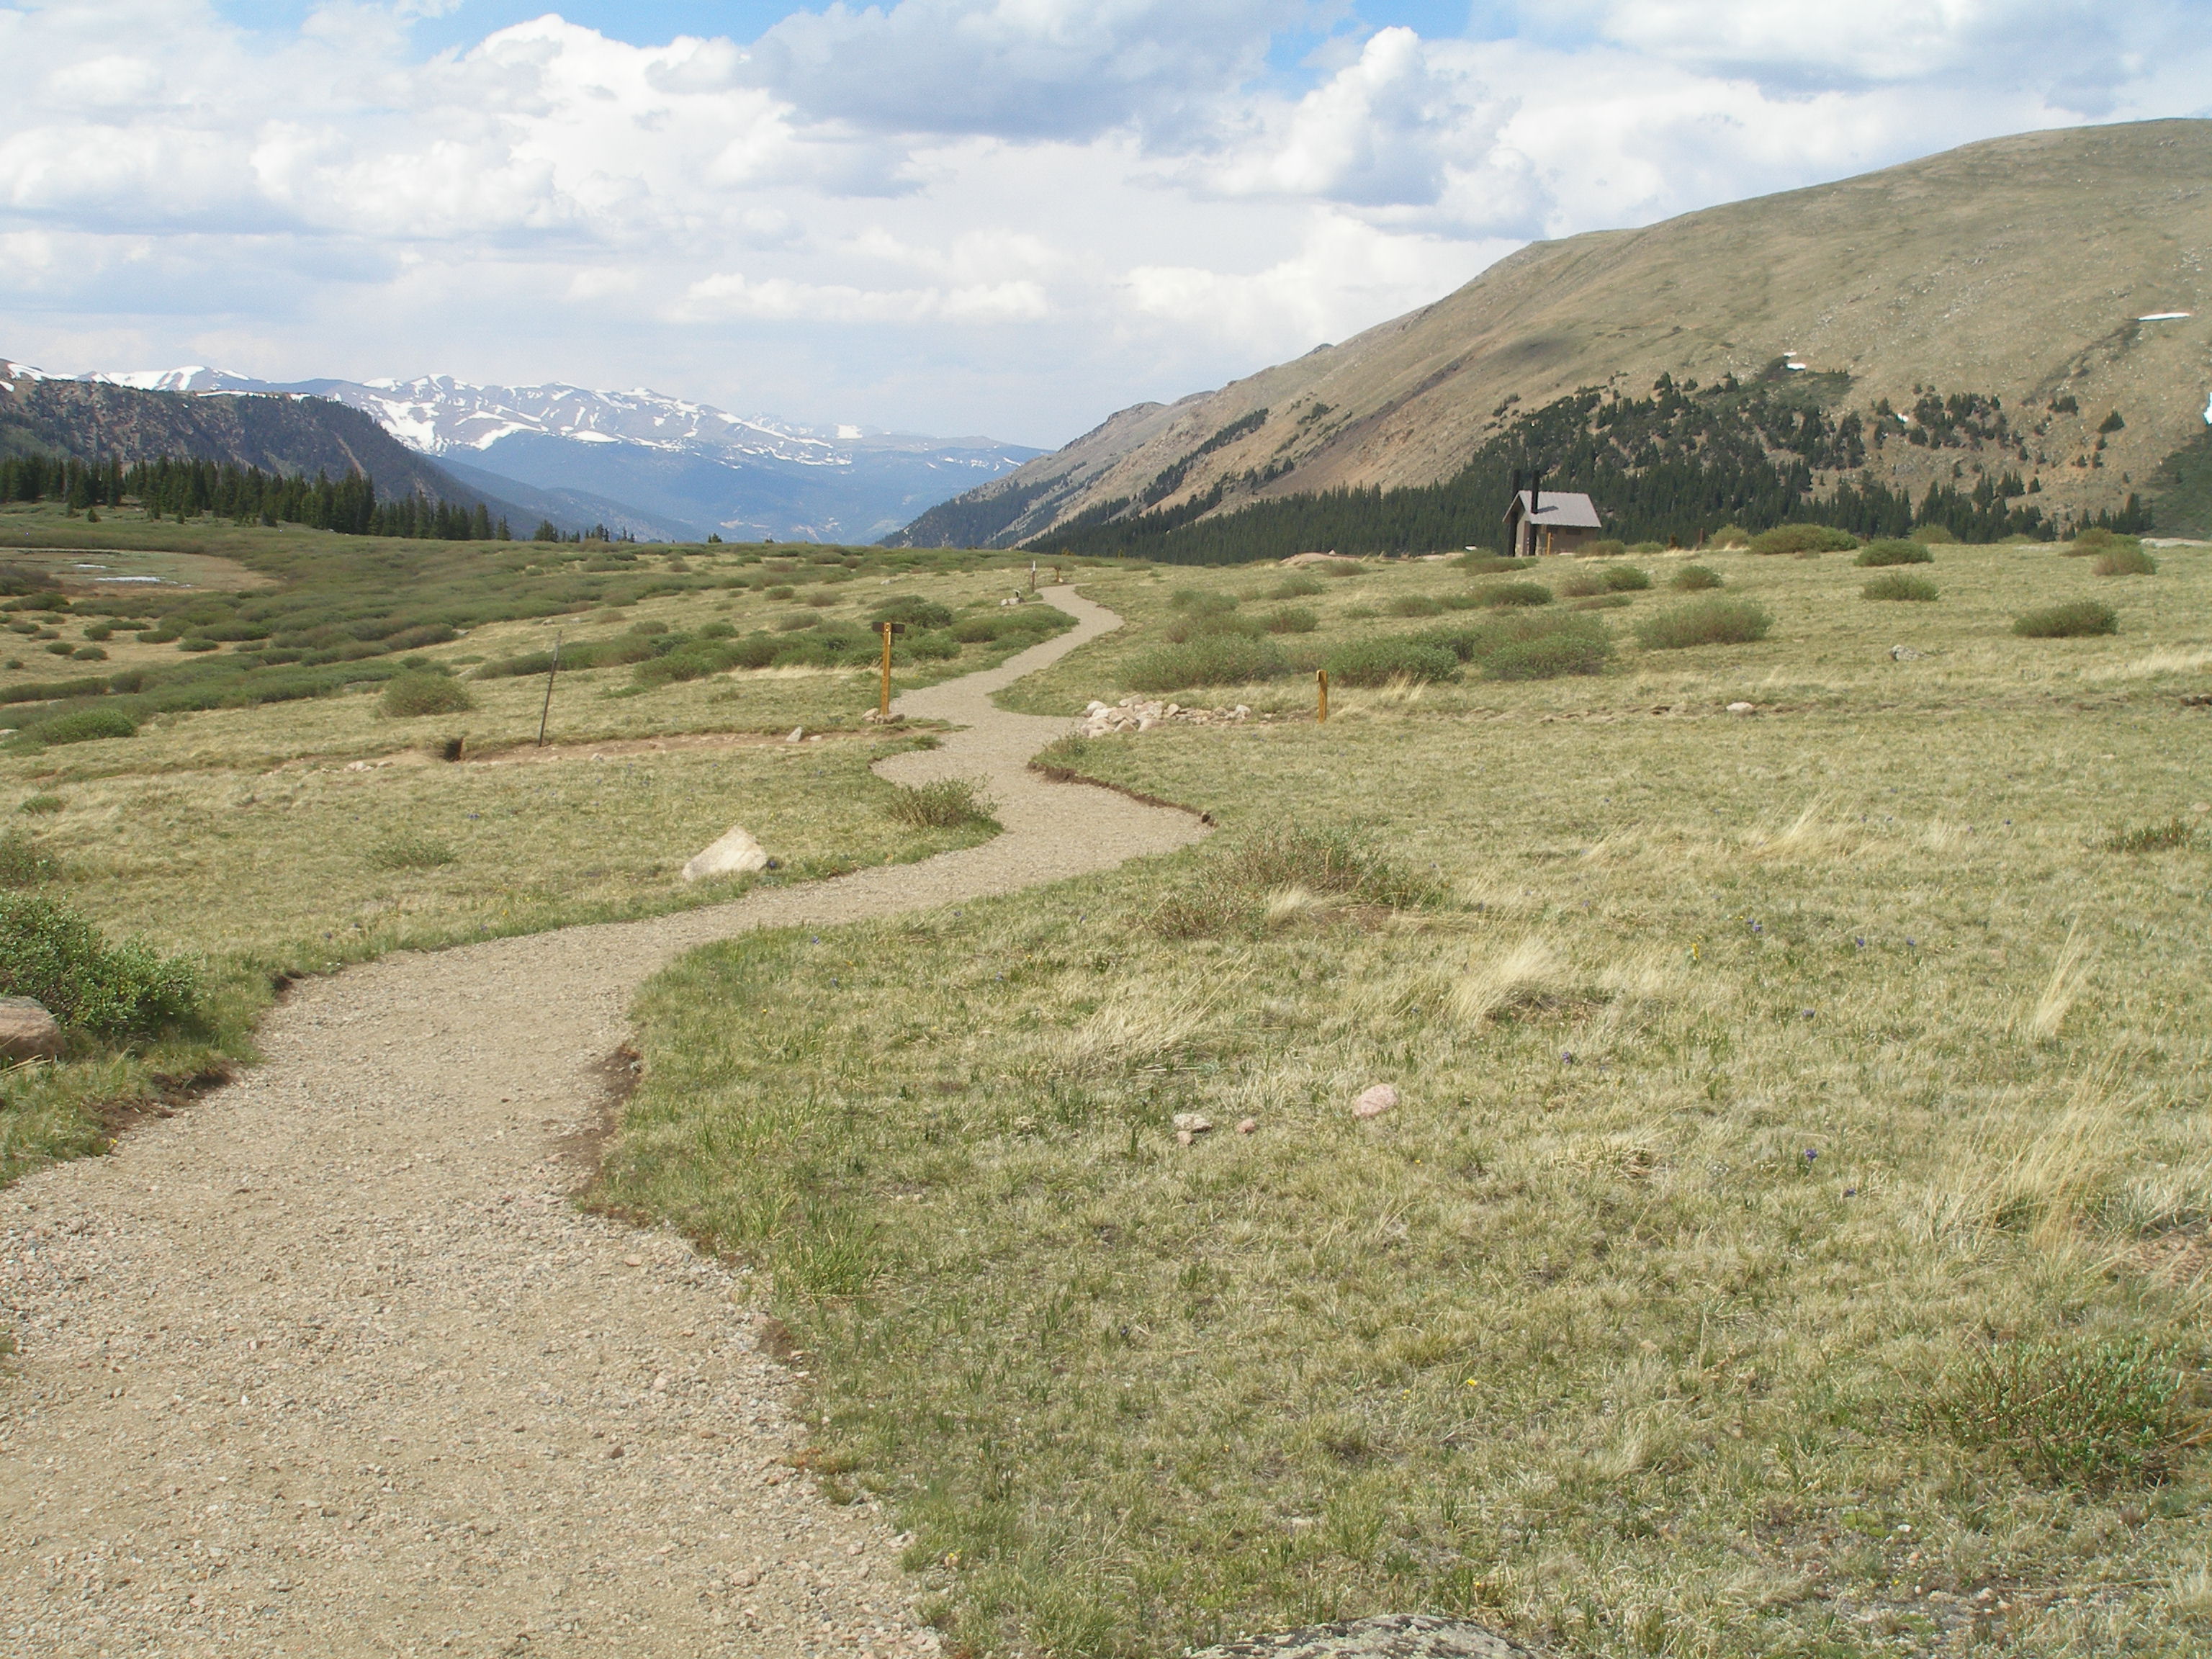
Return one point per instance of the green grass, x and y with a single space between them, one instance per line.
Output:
1578 1340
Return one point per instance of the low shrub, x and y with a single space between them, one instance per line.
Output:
84 725
1505 595
2078 620
411 850
1712 621
2150 838
947 804
2113 561
24 862
408 697
1936 535
1582 584
1601 602
1416 605
2073 1412
54 956
1210 660
912 610
42 805
1694 579
1292 619
1729 535
1894 552
1549 656
693 661
1605 547
1201 602
1803 538
1900 585
1379 661
1627 579
1295 587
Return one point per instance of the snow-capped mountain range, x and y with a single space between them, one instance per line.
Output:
677 468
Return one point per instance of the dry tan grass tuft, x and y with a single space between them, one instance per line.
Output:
2067 975
1527 975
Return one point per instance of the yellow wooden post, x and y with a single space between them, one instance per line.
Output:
1321 678
883 698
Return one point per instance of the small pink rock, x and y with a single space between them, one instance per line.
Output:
1183 1137
1249 1126
1373 1102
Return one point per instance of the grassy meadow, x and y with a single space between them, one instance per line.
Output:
1789 1235
262 838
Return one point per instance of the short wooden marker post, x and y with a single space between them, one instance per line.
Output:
1320 679
546 713
883 697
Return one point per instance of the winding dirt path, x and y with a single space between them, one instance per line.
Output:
328 1365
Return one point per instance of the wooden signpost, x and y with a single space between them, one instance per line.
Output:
1320 679
546 713
883 697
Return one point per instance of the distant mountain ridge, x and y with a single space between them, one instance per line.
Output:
40 414
2060 274
660 466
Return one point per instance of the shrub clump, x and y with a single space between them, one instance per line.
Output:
2073 1412
1518 647
1208 659
1549 656
2078 620
2150 838
24 862
1379 661
84 725
2125 562
1694 579
1712 621
1292 619
947 804
1894 552
54 956
2097 541
1803 538
407 696
1506 595
1900 585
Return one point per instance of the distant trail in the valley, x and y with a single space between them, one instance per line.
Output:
329 1365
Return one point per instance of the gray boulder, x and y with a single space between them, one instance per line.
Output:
27 1031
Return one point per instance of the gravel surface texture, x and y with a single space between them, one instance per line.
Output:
328 1364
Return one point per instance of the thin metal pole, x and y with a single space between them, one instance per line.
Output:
546 713
883 697
1321 678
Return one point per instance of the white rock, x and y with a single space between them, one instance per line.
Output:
1741 709
1375 1101
1195 1123
735 854
1903 654
797 733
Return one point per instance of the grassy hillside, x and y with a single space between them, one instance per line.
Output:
2017 269
1789 1237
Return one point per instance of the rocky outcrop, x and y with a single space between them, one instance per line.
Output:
1135 713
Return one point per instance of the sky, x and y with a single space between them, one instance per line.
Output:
1008 217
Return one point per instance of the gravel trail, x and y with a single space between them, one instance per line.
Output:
329 1365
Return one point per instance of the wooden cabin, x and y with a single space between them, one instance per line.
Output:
1561 522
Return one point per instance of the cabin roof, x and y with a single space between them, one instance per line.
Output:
1562 510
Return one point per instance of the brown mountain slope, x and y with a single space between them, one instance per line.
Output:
2018 267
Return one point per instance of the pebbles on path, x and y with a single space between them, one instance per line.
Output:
328 1364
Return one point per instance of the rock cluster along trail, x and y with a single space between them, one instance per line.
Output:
329 1365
